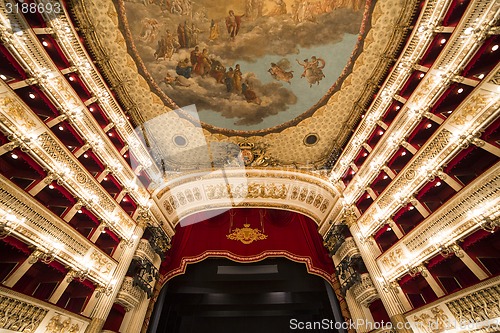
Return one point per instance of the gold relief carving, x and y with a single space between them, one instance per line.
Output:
239 191
350 217
318 200
303 194
168 207
58 325
480 305
19 316
438 321
301 210
173 201
182 199
246 235
254 155
295 193
410 174
189 195
197 193
125 221
217 191
15 111
81 177
101 263
267 191
393 258
253 190
324 205
476 103
310 197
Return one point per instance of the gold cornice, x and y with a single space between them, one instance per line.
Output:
267 173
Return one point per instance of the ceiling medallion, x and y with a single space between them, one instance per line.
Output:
246 235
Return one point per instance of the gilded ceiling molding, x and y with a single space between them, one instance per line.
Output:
100 27
224 189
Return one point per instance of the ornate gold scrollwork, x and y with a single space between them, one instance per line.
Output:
246 235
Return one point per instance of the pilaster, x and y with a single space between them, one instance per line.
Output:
103 302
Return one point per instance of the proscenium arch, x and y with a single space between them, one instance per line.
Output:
289 235
281 268
210 190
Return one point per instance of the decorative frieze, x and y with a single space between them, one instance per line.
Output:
55 157
21 313
364 291
144 250
460 216
129 295
280 189
50 235
474 309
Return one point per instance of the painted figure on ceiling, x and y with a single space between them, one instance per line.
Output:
313 70
233 23
238 79
181 36
149 30
214 30
194 33
253 9
166 47
203 63
279 8
278 73
183 68
194 55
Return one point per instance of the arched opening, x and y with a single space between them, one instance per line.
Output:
268 287
220 295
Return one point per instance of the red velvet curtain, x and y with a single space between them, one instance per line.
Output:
289 235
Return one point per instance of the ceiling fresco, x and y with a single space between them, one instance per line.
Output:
245 65
310 139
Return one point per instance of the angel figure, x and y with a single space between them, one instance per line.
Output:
313 70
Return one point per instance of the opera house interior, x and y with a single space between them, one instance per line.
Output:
249 166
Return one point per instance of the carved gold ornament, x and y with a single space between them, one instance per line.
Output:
246 235
16 112
58 325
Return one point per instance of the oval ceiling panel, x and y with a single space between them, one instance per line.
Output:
247 65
